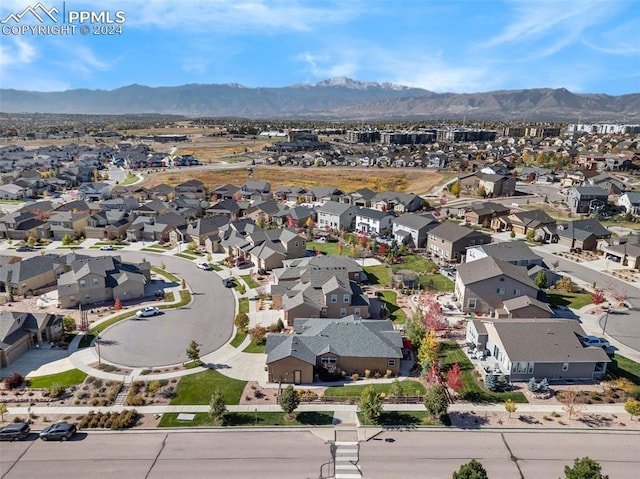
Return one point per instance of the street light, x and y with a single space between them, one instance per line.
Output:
98 338
604 325
256 410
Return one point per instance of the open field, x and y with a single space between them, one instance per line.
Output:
346 179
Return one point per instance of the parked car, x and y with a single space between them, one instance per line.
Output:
615 259
60 431
14 431
22 249
204 266
595 341
148 311
228 282
107 247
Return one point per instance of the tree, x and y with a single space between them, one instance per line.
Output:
510 407
242 322
217 406
289 400
436 401
340 248
117 305
3 410
415 329
370 404
455 188
585 468
428 349
454 377
433 316
395 391
471 470
183 284
565 284
68 324
490 382
481 191
193 351
541 280
632 406
66 239
597 297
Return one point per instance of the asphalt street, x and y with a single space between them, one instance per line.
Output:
300 454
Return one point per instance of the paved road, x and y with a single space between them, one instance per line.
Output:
623 326
299 454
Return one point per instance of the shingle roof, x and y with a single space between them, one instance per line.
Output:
489 267
509 251
453 232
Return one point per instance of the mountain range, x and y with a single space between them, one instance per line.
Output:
335 99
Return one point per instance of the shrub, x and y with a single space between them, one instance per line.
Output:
56 391
153 386
242 322
367 373
355 376
14 380
258 335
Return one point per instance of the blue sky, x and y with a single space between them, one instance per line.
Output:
589 46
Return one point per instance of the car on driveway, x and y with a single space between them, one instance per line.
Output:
60 431
148 311
22 249
14 431
204 266
107 247
595 341
228 282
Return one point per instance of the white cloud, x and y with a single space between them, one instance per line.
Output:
16 51
323 66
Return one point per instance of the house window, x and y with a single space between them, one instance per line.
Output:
500 291
328 360
334 298
565 366
296 243
94 281
471 303
391 363
83 283
516 292
343 312
356 312
346 298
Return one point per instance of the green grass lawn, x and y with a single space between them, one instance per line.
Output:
622 367
197 388
571 300
414 262
64 379
243 305
260 419
251 283
238 338
171 277
185 256
404 418
378 275
328 248
451 353
255 348
409 388
440 283
390 298
129 179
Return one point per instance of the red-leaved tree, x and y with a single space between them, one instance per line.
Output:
433 375
432 313
117 305
454 378
382 249
597 297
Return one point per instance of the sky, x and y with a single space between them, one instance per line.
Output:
461 46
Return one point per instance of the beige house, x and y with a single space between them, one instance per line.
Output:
102 279
349 344
448 242
21 331
484 285
30 275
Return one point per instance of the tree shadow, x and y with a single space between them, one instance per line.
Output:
467 420
315 418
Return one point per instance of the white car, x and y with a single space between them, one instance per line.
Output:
204 266
148 311
107 247
595 341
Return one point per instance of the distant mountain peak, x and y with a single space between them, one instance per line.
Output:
347 82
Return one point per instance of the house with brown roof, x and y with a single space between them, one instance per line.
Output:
448 242
483 286
483 213
21 331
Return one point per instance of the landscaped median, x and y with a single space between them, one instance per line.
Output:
247 419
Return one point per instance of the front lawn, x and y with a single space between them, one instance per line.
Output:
622 367
571 300
244 419
243 305
390 299
238 338
64 379
404 418
416 263
251 283
409 388
197 388
378 275
450 353
255 348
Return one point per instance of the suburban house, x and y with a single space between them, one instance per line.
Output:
225 192
102 279
21 226
109 224
611 185
67 223
20 331
13 192
349 344
411 229
312 292
482 286
361 198
336 216
292 268
583 234
197 230
290 194
624 250
538 348
254 190
587 199
630 201
497 185
483 213
263 211
191 189
373 222
30 275
449 241
163 192
322 194
524 307
522 222
298 216
514 252
397 202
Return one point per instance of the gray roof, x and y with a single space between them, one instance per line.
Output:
450 231
581 229
634 197
28 268
524 302
414 221
487 208
373 214
346 337
509 251
333 207
545 341
590 191
489 267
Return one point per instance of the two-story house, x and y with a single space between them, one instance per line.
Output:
630 202
514 252
587 199
448 242
336 216
373 222
191 189
67 223
411 229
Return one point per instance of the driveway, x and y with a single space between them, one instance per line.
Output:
162 340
